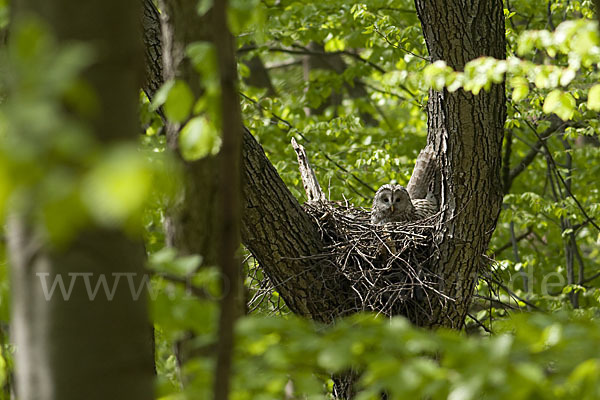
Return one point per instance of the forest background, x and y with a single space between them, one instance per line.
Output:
350 82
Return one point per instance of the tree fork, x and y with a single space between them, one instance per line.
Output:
466 132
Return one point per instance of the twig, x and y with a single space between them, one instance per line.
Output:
307 140
530 156
511 293
591 278
304 51
479 323
549 12
510 242
558 174
395 46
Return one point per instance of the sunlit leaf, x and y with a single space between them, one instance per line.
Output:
593 102
560 103
199 138
179 102
118 186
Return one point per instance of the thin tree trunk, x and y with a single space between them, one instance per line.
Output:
152 35
191 225
230 191
77 348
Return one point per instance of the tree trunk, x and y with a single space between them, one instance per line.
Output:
74 347
275 228
192 224
230 193
466 132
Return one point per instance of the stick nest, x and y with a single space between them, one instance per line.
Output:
387 266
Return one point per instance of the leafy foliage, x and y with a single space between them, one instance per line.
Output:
349 81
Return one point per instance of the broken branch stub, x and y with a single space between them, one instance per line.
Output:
313 190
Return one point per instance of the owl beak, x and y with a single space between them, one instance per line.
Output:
392 208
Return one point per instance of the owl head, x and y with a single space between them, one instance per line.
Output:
391 204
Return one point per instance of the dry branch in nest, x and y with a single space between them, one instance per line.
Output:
388 266
385 269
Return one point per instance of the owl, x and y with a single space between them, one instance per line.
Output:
392 203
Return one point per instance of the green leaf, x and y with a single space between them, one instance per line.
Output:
179 102
593 102
198 138
560 103
520 88
242 13
435 74
161 95
334 43
166 260
203 6
118 186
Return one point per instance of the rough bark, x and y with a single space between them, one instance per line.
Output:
275 228
192 224
75 348
153 79
466 133
285 240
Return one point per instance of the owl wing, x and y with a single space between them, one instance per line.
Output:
425 208
423 174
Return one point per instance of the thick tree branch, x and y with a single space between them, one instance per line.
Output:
274 227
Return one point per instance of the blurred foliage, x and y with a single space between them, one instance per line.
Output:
350 82
52 166
524 360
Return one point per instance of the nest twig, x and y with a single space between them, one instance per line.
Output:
386 265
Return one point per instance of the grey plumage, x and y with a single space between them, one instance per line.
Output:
392 203
425 208
423 175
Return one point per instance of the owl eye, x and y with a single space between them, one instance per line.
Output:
397 201
385 199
